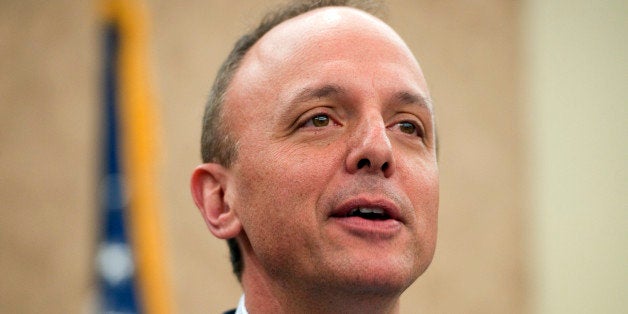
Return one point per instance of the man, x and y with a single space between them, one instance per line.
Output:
320 163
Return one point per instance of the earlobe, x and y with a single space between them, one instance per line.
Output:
209 184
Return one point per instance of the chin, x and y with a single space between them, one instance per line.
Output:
379 277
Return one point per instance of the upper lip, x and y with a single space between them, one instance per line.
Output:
390 208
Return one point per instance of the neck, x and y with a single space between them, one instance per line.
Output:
265 294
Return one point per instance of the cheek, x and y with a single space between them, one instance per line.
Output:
277 191
284 173
263 209
420 175
262 194
421 184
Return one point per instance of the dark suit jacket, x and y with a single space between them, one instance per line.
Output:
230 312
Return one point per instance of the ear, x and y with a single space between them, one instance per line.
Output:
209 184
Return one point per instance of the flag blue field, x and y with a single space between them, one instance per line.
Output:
115 261
131 258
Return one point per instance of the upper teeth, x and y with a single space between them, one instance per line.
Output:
366 210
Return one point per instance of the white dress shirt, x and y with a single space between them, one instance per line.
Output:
241 307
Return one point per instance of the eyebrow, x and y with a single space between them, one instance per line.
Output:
409 98
325 91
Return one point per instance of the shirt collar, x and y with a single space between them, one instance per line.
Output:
241 307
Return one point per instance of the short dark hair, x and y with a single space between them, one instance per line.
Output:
217 144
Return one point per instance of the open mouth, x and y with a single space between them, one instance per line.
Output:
369 213
363 215
375 220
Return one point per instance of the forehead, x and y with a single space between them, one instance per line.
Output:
317 46
313 33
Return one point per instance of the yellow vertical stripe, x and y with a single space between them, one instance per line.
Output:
138 129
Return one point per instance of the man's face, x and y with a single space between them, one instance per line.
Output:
336 181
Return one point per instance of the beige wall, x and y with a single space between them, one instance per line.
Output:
576 61
48 151
48 123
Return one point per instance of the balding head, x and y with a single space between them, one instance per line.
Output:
333 195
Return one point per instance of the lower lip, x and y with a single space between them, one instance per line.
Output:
369 228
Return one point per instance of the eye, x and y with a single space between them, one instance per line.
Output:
318 121
409 128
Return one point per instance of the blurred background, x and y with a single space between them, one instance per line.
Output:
533 124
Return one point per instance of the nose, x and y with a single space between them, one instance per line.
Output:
369 149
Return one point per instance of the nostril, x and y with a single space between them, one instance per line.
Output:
364 162
385 166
